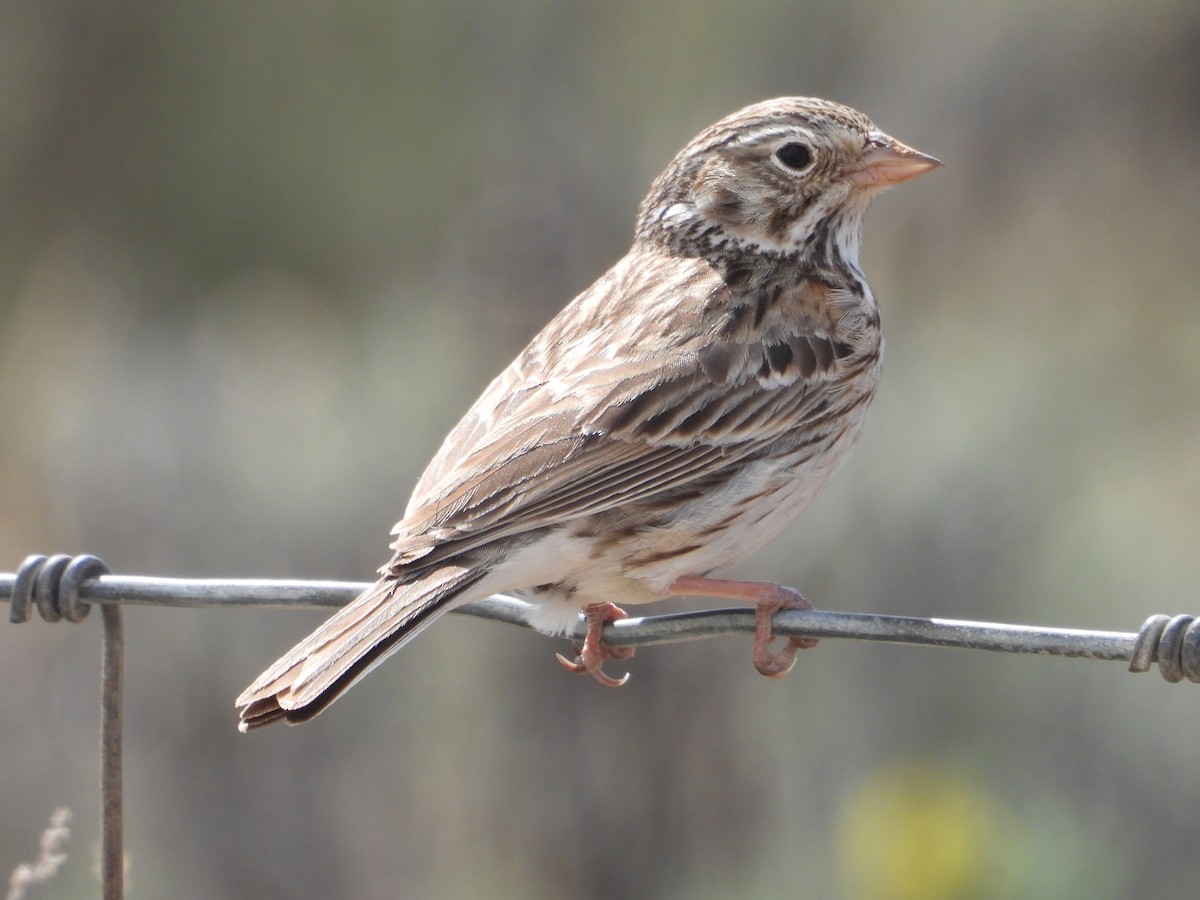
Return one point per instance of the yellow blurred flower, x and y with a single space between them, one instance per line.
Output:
918 831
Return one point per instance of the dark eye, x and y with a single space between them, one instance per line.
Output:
795 156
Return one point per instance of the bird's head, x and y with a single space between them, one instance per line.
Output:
786 176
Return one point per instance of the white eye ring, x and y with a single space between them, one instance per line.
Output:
794 157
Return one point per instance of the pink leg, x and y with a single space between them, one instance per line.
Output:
768 599
594 652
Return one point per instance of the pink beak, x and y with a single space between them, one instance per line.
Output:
886 161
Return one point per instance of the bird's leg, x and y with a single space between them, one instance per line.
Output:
768 599
594 651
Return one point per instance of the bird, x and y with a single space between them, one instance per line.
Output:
669 421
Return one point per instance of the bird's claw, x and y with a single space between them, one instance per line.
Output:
579 667
593 654
776 665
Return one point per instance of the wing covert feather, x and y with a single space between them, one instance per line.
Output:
597 413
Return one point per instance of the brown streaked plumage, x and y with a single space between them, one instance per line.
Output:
672 419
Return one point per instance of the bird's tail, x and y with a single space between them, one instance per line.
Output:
357 638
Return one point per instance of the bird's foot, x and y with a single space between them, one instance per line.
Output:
595 652
768 599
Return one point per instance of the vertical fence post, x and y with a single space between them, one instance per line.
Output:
112 664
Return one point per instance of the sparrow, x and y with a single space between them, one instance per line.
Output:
673 418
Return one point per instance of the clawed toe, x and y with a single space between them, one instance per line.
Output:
579 667
768 599
594 652
776 665
575 667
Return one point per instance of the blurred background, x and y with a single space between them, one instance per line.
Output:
255 260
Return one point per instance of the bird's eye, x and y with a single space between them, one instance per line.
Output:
795 156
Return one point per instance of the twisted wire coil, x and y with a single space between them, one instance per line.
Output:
1171 641
52 585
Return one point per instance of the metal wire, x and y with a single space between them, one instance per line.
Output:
64 587
1174 643
53 585
112 678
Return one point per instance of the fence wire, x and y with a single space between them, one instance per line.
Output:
64 587
56 595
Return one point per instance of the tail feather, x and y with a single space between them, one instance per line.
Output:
314 673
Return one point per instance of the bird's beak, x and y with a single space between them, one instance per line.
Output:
886 161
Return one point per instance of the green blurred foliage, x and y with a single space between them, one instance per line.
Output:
255 259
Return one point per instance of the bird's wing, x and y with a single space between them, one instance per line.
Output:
642 385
